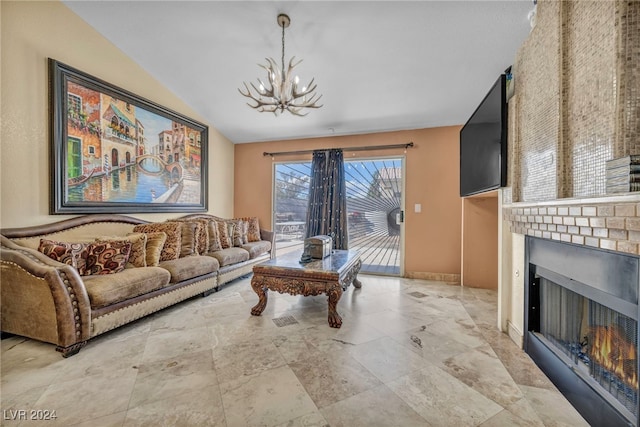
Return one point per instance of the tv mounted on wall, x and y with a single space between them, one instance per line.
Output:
483 143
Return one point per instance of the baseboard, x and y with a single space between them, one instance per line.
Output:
515 334
451 279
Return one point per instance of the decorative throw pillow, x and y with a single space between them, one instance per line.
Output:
225 237
253 232
172 246
200 241
245 232
235 231
232 227
188 238
202 236
155 243
107 257
214 237
138 254
67 253
243 227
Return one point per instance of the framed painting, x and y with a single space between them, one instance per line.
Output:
115 152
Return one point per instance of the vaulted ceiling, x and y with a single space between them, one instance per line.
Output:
379 65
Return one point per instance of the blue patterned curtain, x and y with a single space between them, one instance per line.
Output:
327 213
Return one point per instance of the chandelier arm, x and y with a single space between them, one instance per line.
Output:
295 111
306 105
310 88
248 94
267 91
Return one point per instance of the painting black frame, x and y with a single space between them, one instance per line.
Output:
59 77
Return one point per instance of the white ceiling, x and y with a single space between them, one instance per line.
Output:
380 65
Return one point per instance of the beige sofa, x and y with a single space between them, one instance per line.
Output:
50 301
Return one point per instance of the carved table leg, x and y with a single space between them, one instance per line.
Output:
262 296
335 321
357 283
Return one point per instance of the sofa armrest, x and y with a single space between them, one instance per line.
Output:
42 298
269 236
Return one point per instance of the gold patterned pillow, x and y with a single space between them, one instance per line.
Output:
189 233
253 232
235 231
105 257
202 238
138 254
223 231
214 237
173 244
67 253
201 241
155 243
243 227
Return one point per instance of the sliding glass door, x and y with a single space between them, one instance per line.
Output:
375 206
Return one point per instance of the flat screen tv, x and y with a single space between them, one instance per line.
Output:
483 144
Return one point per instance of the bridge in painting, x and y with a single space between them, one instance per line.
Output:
175 169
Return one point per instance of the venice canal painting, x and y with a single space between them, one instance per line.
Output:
120 154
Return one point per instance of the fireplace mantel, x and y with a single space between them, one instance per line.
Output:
609 222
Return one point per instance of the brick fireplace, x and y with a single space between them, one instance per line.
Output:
581 326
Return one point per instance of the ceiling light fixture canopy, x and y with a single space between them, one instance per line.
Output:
282 91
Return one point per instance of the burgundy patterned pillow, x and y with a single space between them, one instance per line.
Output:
105 257
138 254
67 253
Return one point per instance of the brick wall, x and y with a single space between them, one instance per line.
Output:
613 225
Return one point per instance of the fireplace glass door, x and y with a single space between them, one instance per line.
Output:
600 343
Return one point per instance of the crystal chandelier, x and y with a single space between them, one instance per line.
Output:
282 91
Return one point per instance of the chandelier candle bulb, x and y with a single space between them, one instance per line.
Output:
281 93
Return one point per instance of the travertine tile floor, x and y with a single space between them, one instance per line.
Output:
409 353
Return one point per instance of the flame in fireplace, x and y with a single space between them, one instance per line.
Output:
611 349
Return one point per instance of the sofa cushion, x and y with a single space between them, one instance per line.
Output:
256 249
104 290
104 257
189 267
230 256
138 254
172 246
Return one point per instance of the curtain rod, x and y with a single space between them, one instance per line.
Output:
364 148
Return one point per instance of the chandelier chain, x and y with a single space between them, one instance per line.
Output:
282 69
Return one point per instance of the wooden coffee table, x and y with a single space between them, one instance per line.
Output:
330 276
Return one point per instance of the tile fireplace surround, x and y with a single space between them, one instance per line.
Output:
611 223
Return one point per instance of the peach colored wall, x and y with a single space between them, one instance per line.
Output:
480 242
432 237
33 31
